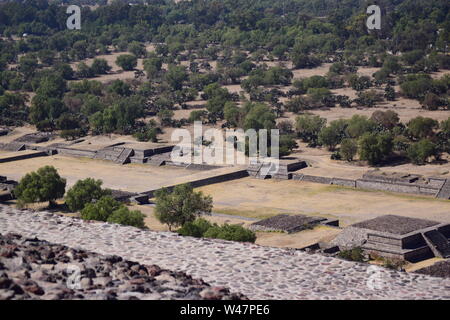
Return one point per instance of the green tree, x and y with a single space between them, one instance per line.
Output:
420 151
358 125
175 76
374 147
309 126
137 49
196 228
231 233
421 127
152 66
348 149
101 210
165 117
84 192
330 137
100 66
127 62
180 206
43 185
127 217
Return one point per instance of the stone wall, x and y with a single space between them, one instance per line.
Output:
24 156
76 152
390 185
211 180
396 187
316 179
344 182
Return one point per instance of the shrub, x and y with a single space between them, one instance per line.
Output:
127 61
196 228
126 217
420 151
374 147
355 254
230 232
348 149
84 192
43 185
181 206
100 210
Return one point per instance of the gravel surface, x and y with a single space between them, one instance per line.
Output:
439 269
35 269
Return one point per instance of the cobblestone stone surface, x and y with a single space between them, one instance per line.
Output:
256 271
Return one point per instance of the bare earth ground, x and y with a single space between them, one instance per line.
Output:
263 198
131 177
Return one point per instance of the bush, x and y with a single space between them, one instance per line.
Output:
348 149
43 185
196 228
127 62
419 152
355 254
374 147
100 210
126 217
84 192
181 206
230 232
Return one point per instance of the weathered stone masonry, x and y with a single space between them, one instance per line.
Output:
256 271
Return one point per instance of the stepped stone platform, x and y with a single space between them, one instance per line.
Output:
255 271
266 170
405 238
289 223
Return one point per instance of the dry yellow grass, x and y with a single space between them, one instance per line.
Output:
261 198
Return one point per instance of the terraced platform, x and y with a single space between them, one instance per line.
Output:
256 271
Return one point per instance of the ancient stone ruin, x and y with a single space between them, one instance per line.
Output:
290 223
398 237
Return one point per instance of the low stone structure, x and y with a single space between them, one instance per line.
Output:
290 223
398 237
256 271
37 137
6 189
392 182
267 169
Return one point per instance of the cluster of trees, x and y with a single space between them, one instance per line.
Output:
86 196
377 138
182 207
201 228
239 36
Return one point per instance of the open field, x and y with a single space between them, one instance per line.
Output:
263 198
132 177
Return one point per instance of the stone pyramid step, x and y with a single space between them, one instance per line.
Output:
438 243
